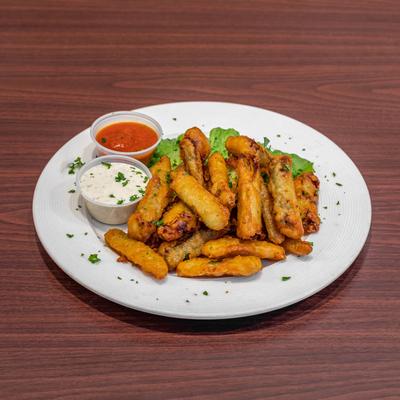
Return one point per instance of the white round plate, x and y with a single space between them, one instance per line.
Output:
344 205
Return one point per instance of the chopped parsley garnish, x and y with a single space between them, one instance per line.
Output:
82 254
230 184
278 135
145 179
186 257
70 235
103 140
125 183
158 223
339 184
71 191
285 278
286 167
333 173
325 207
120 202
174 119
312 243
94 258
205 293
133 197
112 196
338 202
106 164
141 191
76 164
119 278
120 177
168 178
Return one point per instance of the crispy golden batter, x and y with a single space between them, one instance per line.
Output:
175 253
306 186
213 214
137 252
177 221
151 207
229 247
243 146
267 209
194 149
249 199
236 266
285 208
297 247
219 184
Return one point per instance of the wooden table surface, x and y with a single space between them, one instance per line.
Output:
334 65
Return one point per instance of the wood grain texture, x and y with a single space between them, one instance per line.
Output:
334 65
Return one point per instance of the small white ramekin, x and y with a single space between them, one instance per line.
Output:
112 214
126 116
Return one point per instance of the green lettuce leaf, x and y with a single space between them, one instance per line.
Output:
170 148
299 164
218 138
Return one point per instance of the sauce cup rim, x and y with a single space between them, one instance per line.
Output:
104 117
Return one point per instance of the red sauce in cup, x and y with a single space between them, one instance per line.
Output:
127 136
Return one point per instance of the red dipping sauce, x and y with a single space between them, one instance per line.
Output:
127 136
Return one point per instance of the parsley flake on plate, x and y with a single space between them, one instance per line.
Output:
76 164
94 258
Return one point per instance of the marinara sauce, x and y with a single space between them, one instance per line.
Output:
127 136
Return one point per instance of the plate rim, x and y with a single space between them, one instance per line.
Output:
214 316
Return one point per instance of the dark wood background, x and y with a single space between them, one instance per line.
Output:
334 65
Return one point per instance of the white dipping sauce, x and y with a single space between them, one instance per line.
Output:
114 183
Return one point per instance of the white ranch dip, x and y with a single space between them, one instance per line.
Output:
113 183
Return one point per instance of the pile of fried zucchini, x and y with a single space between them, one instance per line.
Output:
212 217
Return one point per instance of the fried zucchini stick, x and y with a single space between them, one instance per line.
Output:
297 247
194 149
306 186
236 266
240 146
213 214
176 222
137 252
249 199
219 184
285 208
175 253
266 204
229 247
141 224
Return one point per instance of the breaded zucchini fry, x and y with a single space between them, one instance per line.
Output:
243 146
306 186
297 247
285 208
151 207
229 247
175 253
177 221
266 206
236 266
214 215
137 252
219 184
249 199
194 149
